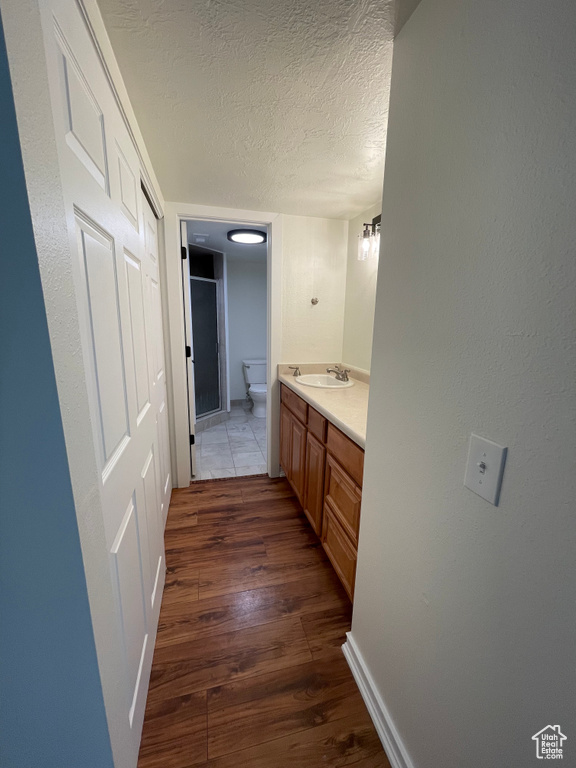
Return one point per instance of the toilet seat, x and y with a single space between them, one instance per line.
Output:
258 389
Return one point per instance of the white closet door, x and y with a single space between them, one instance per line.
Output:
117 281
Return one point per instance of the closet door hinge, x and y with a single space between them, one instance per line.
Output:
192 440
183 252
188 351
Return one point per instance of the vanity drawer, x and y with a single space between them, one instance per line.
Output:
339 549
291 400
349 454
345 498
317 424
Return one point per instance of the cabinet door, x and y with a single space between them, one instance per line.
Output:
298 458
345 498
339 549
315 457
285 441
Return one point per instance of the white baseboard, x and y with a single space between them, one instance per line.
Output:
389 736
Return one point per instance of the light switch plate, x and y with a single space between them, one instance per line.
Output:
485 468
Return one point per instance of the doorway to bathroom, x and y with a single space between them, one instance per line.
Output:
225 308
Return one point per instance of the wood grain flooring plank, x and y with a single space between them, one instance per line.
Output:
176 732
270 487
207 494
349 741
206 662
181 536
279 703
182 583
248 670
199 549
227 488
326 630
237 610
223 579
294 546
276 514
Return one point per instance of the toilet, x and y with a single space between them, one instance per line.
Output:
255 378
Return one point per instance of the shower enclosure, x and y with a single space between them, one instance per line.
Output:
205 335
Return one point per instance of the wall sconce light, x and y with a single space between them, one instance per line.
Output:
369 240
364 243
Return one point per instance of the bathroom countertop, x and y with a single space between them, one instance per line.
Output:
346 408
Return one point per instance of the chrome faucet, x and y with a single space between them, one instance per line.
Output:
341 374
295 369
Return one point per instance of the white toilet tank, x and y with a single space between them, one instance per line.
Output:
255 371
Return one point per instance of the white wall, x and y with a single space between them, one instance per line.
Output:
463 611
246 318
360 296
314 265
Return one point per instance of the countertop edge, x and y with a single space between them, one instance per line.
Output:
302 392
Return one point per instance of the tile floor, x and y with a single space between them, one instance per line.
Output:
234 449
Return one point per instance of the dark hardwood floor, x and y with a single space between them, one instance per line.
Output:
248 671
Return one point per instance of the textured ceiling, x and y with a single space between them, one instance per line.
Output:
260 104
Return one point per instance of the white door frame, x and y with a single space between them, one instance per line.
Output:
189 342
175 213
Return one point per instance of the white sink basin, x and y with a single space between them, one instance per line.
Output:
323 380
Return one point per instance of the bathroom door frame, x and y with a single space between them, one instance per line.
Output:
175 214
224 386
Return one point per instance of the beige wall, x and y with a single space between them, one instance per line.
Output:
314 265
360 296
464 611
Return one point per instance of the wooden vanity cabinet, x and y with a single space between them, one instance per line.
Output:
314 500
298 460
344 497
285 441
325 470
293 441
338 547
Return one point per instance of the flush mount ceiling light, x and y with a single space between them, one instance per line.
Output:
247 236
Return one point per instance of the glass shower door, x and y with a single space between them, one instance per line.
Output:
204 301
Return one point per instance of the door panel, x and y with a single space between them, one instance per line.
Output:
163 438
126 552
128 189
315 460
83 118
114 239
101 298
138 329
286 440
154 523
298 453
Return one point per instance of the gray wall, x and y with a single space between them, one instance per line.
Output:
246 318
464 613
51 705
